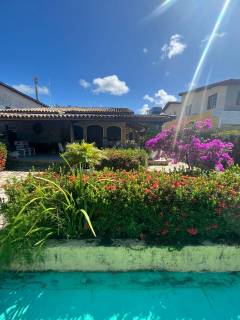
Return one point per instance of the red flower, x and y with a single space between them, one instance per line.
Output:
177 184
233 193
148 178
110 188
192 231
85 178
147 191
155 185
72 179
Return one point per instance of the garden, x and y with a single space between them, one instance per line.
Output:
110 194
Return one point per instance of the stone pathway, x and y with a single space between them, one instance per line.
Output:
170 167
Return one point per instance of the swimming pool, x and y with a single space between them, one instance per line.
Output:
115 296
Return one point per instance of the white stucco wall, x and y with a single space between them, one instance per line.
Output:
9 98
231 98
173 109
199 99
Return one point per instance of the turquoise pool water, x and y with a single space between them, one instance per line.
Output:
115 296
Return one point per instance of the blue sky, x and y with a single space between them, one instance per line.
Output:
115 52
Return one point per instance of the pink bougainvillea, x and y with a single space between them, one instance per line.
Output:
193 144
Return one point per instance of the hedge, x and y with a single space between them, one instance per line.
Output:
124 159
170 209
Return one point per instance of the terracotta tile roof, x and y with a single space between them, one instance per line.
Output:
80 109
68 110
76 114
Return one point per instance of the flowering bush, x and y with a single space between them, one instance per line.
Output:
125 159
162 208
3 156
232 136
192 144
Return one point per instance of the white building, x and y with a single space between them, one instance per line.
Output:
219 101
172 108
12 98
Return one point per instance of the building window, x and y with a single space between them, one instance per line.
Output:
212 101
189 110
238 99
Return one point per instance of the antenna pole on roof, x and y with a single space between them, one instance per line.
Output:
35 79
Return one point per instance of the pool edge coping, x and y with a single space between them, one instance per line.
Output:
129 255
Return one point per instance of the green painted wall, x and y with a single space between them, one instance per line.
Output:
129 256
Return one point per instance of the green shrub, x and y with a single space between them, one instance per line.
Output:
3 156
124 159
40 208
171 209
83 154
164 208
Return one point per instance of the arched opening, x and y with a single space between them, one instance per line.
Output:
95 134
78 133
113 135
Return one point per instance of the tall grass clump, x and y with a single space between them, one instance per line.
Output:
40 208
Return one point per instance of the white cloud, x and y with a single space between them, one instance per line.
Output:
145 109
216 35
174 47
83 83
30 90
148 98
110 84
145 51
162 97
159 99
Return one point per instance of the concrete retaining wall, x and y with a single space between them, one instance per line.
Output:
132 256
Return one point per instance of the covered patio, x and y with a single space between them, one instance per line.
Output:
48 130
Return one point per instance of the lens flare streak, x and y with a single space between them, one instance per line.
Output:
202 60
161 8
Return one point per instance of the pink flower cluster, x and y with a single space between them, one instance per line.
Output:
193 145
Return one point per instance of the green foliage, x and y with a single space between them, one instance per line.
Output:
125 159
3 156
83 154
165 208
171 209
40 208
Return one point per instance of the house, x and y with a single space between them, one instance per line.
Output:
23 118
172 108
219 101
11 97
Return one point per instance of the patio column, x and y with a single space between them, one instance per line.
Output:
71 132
123 134
105 139
84 133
